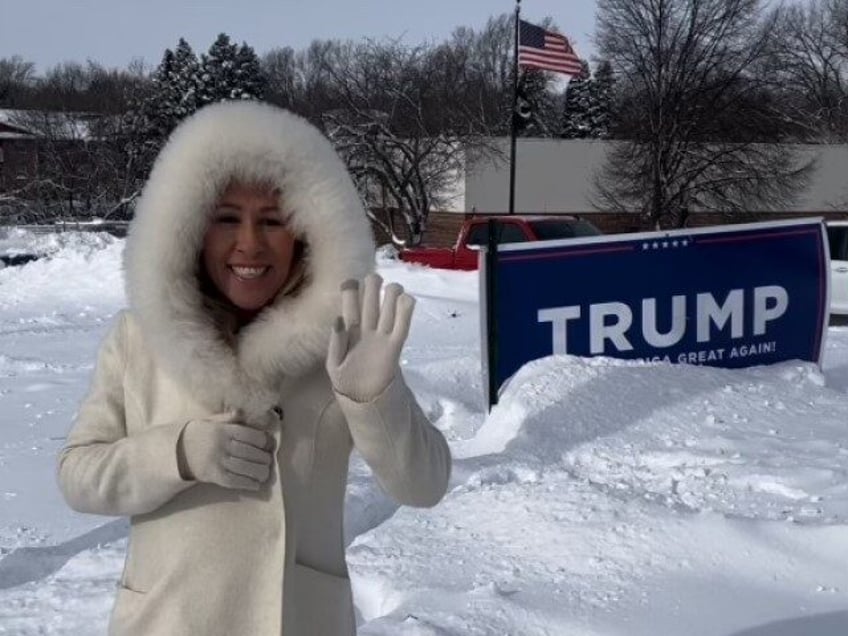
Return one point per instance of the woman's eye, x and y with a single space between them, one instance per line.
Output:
227 219
272 222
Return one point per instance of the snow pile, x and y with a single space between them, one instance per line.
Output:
21 241
600 497
78 272
608 497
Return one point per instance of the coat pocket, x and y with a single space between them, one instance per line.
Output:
322 603
126 612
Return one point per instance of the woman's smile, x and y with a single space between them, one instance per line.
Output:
248 249
248 273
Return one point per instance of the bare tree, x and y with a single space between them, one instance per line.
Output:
403 125
65 181
808 64
119 167
81 167
16 77
15 206
701 127
490 62
67 87
279 66
314 84
490 59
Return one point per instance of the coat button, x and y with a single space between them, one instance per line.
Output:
278 411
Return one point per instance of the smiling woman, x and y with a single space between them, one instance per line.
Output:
249 252
227 399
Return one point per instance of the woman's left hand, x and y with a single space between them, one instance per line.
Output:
364 353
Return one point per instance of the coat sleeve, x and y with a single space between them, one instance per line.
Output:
102 470
408 455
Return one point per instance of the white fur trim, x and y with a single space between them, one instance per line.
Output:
250 141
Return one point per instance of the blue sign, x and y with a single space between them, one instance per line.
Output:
731 296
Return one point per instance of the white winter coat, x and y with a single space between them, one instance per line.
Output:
202 559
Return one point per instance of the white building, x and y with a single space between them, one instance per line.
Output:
557 175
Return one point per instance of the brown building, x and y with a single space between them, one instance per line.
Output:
18 154
46 164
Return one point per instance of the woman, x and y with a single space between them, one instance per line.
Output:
227 398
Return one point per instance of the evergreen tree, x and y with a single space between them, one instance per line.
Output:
172 96
600 113
174 92
536 107
152 116
579 106
230 72
159 107
537 110
252 80
185 80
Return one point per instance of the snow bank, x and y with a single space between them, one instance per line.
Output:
610 497
600 497
78 272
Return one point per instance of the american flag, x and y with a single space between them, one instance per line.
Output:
546 50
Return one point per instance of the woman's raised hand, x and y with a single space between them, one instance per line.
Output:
364 353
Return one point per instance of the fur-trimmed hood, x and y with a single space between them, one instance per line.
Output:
250 141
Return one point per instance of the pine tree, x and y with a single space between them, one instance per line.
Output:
537 109
171 98
153 116
159 106
536 105
185 80
600 114
174 93
216 70
230 72
579 104
252 80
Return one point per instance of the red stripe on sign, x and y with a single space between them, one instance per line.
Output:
752 237
549 255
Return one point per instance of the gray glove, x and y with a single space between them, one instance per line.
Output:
364 353
221 450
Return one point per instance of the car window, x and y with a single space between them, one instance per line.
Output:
507 233
478 234
837 237
548 230
511 233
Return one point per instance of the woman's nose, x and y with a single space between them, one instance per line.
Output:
249 239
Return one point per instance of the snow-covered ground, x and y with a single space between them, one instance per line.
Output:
599 498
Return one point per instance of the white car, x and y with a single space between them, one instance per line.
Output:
837 235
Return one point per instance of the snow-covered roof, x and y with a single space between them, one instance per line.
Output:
7 115
14 135
45 123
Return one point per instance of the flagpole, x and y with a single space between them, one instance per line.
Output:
513 111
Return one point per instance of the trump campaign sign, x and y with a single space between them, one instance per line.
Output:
730 296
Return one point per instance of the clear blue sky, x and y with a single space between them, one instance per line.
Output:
113 32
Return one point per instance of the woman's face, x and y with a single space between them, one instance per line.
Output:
248 248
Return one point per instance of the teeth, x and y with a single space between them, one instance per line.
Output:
249 272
